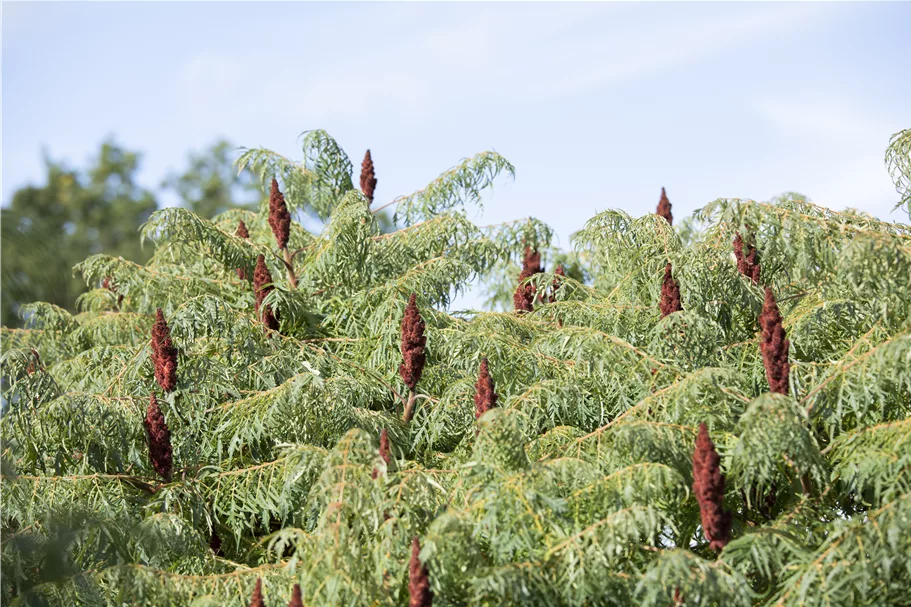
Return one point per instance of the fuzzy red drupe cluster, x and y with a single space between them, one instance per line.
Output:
159 439
485 398
164 354
747 259
368 177
708 486
670 293
296 600
524 298
664 208
562 274
279 217
774 345
262 284
419 593
256 599
413 342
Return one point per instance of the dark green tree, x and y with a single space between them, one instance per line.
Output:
46 229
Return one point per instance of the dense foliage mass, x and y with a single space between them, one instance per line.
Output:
261 414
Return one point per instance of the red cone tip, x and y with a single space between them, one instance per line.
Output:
419 594
708 487
485 398
256 600
279 217
413 344
774 345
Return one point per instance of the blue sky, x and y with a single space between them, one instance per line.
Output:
597 105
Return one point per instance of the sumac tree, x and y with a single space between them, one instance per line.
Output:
739 449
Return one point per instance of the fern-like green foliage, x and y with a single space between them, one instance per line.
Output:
898 161
575 490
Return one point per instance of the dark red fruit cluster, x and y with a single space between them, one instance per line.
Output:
670 294
159 439
747 259
262 284
243 233
384 446
774 345
553 291
485 398
664 208
413 342
419 593
164 354
368 177
256 600
296 600
279 217
708 486
524 298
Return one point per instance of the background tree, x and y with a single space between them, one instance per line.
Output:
47 229
80 212
211 184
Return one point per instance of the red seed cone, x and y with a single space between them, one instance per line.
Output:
242 230
256 599
159 439
413 342
384 446
262 284
670 294
164 354
279 217
664 208
419 593
532 260
524 297
747 259
485 398
520 299
296 597
368 177
384 450
553 292
708 486
774 345
243 233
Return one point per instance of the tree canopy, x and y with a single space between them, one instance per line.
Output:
717 413
81 212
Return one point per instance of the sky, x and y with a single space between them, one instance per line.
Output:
597 105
